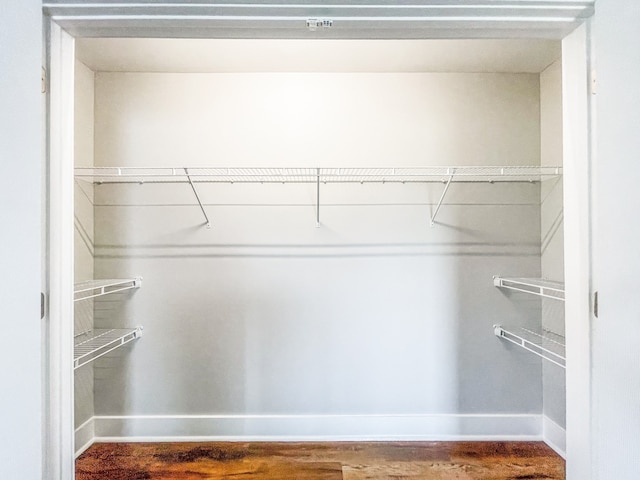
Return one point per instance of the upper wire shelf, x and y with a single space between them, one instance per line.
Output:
533 286
545 344
317 176
98 288
105 175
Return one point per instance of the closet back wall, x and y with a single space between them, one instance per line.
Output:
373 313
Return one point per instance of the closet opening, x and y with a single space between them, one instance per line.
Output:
314 240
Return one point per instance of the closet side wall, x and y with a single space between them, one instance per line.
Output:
83 239
552 240
373 313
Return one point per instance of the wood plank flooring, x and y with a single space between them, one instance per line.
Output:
321 461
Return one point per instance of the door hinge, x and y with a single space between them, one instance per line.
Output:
43 300
43 79
595 304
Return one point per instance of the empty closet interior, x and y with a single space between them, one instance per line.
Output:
340 239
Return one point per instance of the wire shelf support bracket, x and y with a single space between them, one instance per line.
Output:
94 344
533 286
98 288
195 192
318 198
547 345
444 192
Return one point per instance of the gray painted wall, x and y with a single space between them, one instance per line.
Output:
552 230
374 312
21 155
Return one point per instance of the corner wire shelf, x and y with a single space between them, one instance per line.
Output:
98 288
317 176
548 345
533 286
94 344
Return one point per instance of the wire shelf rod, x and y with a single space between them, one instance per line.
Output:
533 286
546 345
98 288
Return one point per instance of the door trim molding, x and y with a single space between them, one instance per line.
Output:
60 434
357 19
69 20
577 132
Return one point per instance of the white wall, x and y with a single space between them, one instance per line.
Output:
312 119
552 230
616 333
373 313
21 154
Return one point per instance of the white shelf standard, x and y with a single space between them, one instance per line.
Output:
98 288
198 175
534 286
94 344
548 345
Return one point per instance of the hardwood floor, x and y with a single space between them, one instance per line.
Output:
321 461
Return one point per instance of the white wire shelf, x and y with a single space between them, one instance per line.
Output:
94 344
548 345
534 286
106 175
317 176
98 288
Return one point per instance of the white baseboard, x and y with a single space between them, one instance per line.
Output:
317 427
84 436
555 436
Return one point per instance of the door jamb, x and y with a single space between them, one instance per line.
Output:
60 432
59 442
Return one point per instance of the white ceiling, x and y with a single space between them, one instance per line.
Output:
206 55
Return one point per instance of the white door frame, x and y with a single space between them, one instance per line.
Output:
577 106
381 19
59 452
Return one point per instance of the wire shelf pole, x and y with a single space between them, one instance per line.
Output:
435 213
186 171
317 198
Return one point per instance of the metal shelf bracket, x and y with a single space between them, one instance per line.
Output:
444 192
318 198
195 192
